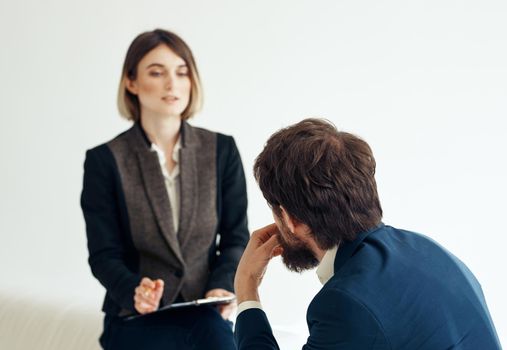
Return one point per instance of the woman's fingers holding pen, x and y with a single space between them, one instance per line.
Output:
142 304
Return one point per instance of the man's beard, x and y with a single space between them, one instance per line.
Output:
296 256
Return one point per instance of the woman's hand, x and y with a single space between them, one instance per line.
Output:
147 295
224 309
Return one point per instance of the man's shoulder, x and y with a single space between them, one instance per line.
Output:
336 315
370 277
388 282
328 296
335 297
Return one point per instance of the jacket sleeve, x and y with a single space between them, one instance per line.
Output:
106 241
253 331
232 209
336 320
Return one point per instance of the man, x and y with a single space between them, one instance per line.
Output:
384 288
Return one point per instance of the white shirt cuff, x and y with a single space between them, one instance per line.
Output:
249 304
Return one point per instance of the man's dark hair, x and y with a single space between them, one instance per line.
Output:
323 178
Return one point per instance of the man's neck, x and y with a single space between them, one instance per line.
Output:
319 253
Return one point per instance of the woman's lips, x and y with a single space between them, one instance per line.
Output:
170 98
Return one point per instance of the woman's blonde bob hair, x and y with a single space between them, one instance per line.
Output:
128 103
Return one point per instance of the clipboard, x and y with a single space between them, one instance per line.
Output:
197 302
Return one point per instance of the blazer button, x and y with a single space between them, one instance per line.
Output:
178 273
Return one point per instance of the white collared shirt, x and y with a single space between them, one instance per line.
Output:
326 267
172 183
324 272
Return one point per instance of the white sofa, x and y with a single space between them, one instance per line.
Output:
32 322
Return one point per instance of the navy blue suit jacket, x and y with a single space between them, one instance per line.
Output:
391 289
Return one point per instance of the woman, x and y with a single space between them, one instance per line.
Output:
165 207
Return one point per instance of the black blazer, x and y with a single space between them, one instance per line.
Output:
129 223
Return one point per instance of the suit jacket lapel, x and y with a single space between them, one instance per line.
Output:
189 185
156 191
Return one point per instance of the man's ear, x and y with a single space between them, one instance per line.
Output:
131 86
289 221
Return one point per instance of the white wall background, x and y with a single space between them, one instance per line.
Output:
424 82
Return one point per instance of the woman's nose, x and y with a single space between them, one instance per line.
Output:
169 82
172 80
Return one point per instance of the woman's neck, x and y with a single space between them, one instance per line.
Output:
163 132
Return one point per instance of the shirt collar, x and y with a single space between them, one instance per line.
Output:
326 267
162 160
161 155
182 138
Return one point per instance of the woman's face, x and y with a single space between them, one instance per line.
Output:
162 84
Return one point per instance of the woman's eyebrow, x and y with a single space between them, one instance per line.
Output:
155 65
163 66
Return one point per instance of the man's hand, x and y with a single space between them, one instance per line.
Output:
263 246
224 309
147 295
